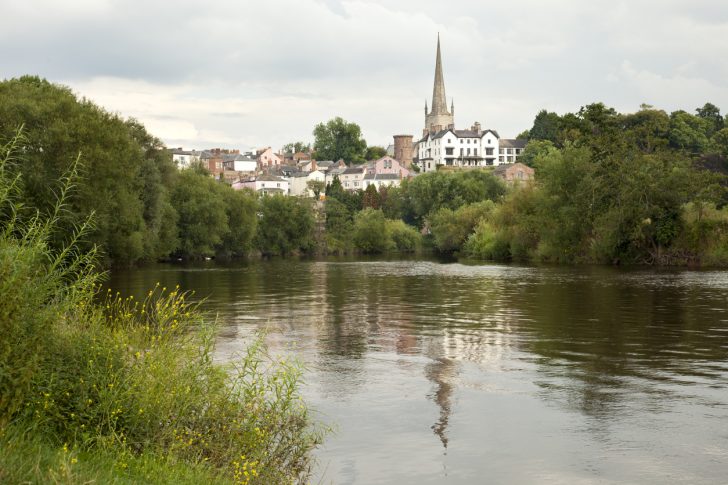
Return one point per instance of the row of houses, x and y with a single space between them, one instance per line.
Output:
297 180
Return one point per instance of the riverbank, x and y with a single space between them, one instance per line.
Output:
96 387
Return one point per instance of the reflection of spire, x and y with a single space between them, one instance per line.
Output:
441 372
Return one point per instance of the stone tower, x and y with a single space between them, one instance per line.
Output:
439 117
403 149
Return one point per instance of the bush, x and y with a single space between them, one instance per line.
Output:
406 238
125 379
370 232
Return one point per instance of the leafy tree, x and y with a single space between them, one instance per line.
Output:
450 229
203 216
546 126
126 173
711 113
316 186
371 198
689 132
286 225
433 190
297 146
241 210
375 152
339 139
339 224
370 234
535 149
647 129
720 142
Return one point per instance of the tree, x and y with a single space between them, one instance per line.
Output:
286 225
316 186
689 132
339 139
711 113
370 232
126 174
371 198
375 153
534 150
203 219
297 146
546 126
241 208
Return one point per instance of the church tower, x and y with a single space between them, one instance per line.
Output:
439 117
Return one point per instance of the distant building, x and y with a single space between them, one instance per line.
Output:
185 158
512 172
443 145
267 159
264 184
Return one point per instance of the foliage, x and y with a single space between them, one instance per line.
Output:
431 191
338 139
241 211
450 229
127 172
202 213
285 226
296 147
405 239
371 198
316 186
125 382
370 232
339 225
375 152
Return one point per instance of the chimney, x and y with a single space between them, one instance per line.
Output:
476 128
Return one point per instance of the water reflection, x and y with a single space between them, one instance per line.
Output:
579 373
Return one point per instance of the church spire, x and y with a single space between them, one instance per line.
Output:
439 102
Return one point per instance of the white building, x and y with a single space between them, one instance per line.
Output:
442 145
298 182
239 163
185 158
264 184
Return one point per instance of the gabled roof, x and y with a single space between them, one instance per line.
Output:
441 133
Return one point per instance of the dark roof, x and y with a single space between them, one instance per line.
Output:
440 134
353 170
269 178
511 143
324 163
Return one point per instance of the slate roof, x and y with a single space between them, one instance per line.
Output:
269 178
353 170
382 176
511 143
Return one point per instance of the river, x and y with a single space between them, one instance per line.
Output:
447 373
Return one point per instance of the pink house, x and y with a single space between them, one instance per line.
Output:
267 159
387 165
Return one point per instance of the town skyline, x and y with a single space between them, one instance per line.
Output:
202 77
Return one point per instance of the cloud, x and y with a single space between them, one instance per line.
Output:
256 73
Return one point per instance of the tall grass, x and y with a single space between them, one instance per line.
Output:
84 383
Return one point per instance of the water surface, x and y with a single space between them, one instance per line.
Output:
453 373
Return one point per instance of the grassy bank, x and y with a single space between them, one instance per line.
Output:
126 391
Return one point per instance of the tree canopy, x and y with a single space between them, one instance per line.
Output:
338 139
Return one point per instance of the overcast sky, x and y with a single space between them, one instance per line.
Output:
262 73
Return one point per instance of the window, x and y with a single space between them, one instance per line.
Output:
278 184
489 141
475 152
449 150
468 151
461 140
461 151
449 140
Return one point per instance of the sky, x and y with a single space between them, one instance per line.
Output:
250 74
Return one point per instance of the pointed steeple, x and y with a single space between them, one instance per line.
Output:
439 101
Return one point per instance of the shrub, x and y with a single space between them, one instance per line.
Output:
370 232
406 238
131 380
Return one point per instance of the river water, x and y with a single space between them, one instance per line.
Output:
437 372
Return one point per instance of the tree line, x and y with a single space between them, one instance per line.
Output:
644 187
